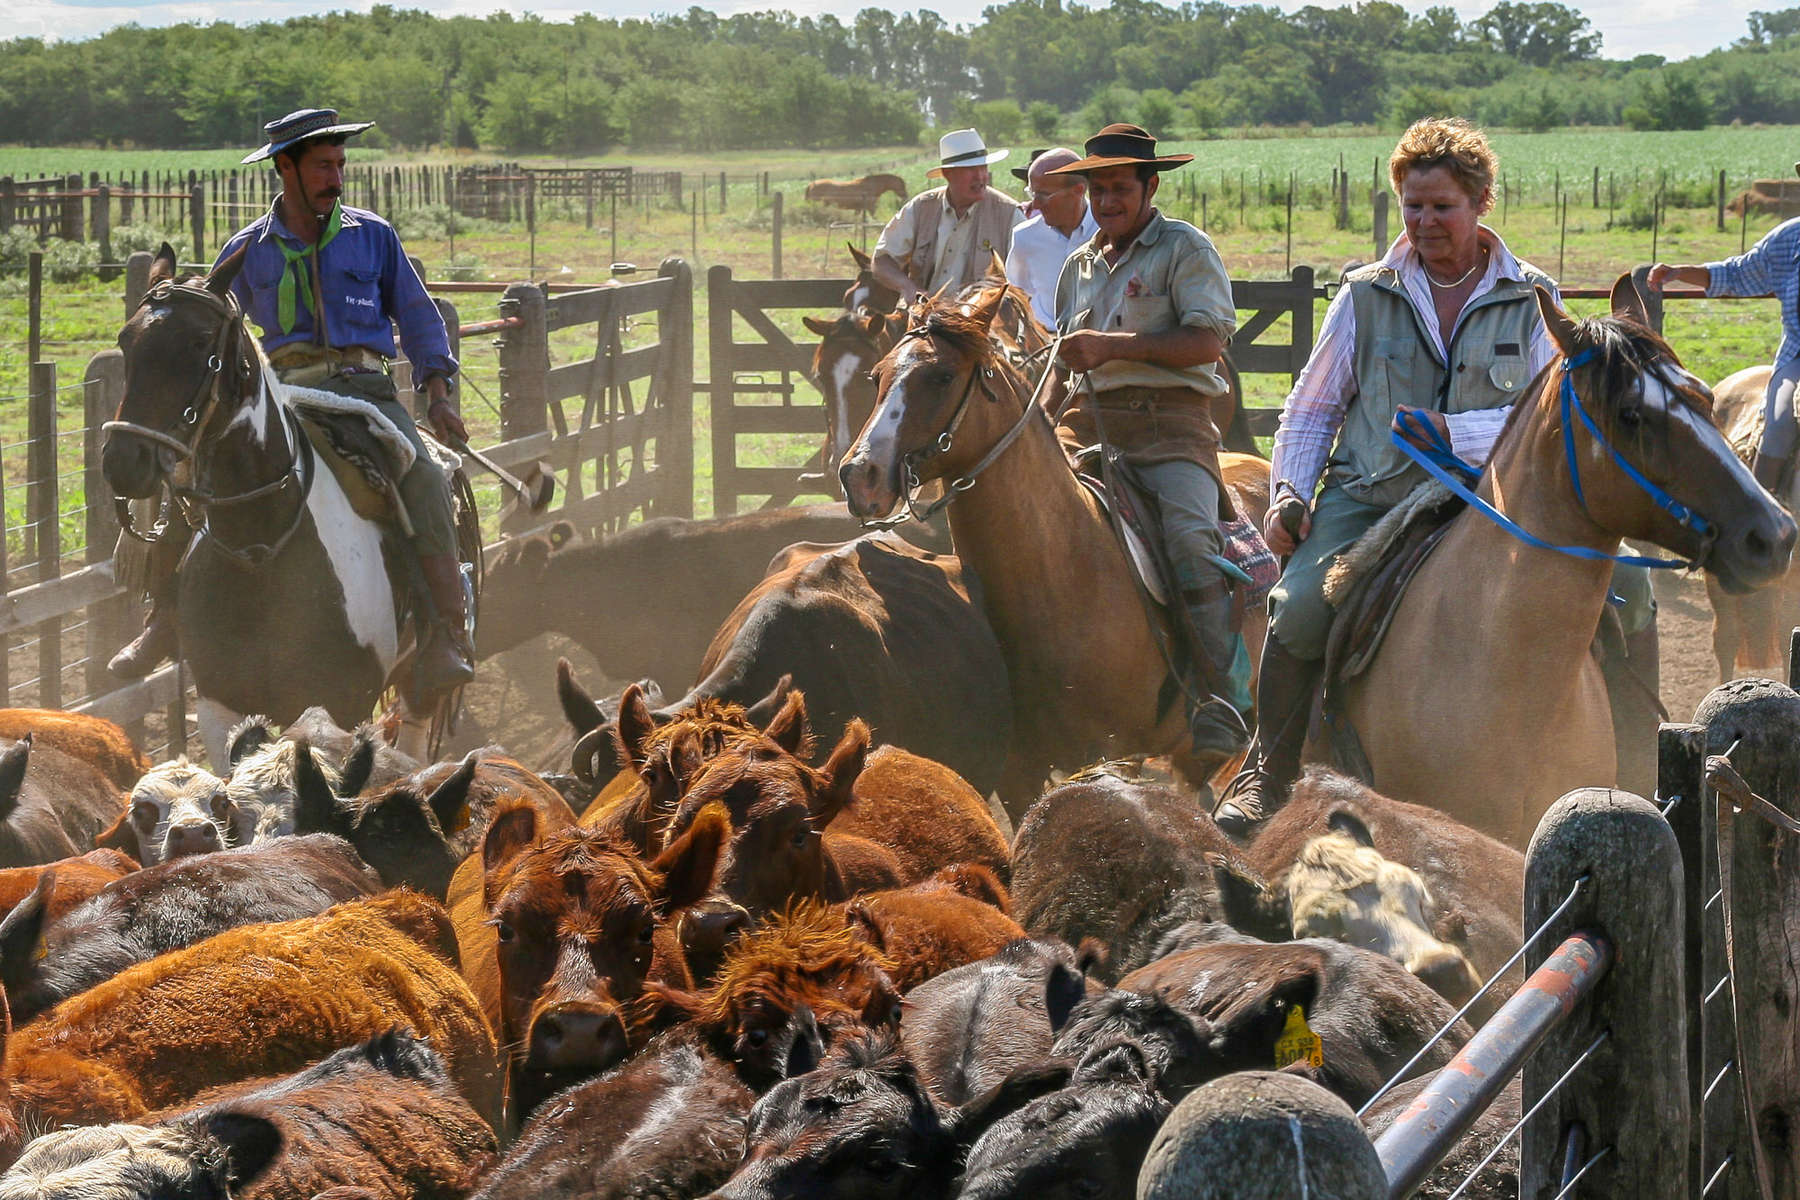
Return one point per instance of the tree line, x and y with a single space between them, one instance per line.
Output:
1038 68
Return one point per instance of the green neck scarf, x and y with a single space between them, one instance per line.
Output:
295 278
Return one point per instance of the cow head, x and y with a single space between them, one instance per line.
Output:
215 1153
578 916
178 809
779 808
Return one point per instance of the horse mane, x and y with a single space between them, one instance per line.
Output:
1627 351
954 320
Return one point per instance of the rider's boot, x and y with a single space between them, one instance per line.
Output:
1287 684
445 660
1217 729
160 641
1769 469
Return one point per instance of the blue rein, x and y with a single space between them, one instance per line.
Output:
1442 464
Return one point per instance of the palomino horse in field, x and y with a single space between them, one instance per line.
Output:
1750 633
1483 701
1084 659
858 195
286 598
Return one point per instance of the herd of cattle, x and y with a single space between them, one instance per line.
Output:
741 950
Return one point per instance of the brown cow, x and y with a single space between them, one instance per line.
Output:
52 804
955 917
383 1114
582 922
1477 883
787 990
1126 863
96 741
77 880
261 1000
1369 1013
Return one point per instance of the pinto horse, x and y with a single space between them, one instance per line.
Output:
1483 700
286 597
1084 658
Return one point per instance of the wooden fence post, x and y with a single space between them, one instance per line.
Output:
102 221
1679 751
109 621
675 445
1761 719
524 362
8 202
1653 299
197 216
1721 199
71 209
724 421
1261 1135
775 226
1632 1093
43 514
1381 224
721 191
137 279
34 305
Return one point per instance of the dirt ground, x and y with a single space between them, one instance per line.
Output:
513 701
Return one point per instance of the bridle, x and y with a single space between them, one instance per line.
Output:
197 417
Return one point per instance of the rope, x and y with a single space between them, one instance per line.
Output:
1482 991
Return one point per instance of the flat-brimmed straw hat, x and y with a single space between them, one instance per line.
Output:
1121 145
300 125
964 148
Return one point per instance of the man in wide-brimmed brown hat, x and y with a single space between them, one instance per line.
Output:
1145 310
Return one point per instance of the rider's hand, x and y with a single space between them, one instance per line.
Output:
1280 515
1411 434
1659 275
1085 349
444 420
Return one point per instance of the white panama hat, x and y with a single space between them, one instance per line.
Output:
963 148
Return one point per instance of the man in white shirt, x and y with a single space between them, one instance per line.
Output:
1042 243
947 238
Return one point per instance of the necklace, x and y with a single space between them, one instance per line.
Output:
1460 279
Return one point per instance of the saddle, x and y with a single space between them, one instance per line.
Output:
365 451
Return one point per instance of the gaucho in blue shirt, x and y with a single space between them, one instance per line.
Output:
323 282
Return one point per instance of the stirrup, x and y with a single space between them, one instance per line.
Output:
1240 806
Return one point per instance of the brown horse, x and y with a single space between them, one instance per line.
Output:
1483 701
1750 632
1084 658
867 294
858 195
850 344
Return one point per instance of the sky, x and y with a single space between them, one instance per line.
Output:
1673 28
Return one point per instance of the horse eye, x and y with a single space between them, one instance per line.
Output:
646 934
1631 416
758 1038
799 838
503 931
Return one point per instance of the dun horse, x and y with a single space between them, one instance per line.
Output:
1483 701
286 598
859 195
1085 663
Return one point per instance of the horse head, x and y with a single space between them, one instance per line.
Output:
938 407
1635 435
187 359
867 293
850 344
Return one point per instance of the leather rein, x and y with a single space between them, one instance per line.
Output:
197 417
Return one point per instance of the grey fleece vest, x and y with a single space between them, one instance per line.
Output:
994 214
1397 363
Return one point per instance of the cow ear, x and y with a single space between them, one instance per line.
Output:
144 818
789 727
1246 1030
1559 324
247 737
818 325
560 535
315 804
1025 1084
686 1005
635 725
510 835
218 281
688 864
1250 905
840 774
163 266
359 764
13 761
122 836
764 710
22 928
863 923
579 709
1064 988
251 1143
222 807
1351 826
449 802
1628 302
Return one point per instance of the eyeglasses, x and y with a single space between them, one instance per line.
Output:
1040 195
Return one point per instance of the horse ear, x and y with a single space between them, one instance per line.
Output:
989 308
1628 302
1560 324
219 281
863 261
818 325
996 270
162 267
871 323
840 773
579 709
449 803
13 762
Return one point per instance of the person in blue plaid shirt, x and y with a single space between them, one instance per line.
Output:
1771 267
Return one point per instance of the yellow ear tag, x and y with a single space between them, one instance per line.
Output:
1298 1041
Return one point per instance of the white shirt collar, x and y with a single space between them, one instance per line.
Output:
1501 263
